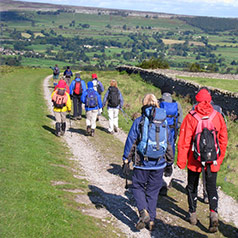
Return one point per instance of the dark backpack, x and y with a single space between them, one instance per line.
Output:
91 99
56 71
68 74
154 133
113 97
205 142
78 88
59 98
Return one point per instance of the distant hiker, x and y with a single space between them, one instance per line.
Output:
62 82
98 86
219 109
62 104
174 118
77 87
148 147
68 74
56 72
202 146
114 101
93 103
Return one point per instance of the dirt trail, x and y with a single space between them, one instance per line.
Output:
113 204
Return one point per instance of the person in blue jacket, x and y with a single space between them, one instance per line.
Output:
147 173
76 88
93 104
68 74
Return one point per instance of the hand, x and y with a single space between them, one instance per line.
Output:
168 170
125 168
69 111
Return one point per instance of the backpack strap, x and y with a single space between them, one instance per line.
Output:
195 114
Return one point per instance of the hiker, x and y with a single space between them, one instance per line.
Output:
149 150
62 104
68 74
62 82
219 109
77 87
98 86
198 159
56 73
174 118
114 100
93 103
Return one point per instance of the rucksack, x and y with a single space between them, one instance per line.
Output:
154 133
96 86
68 74
171 109
113 97
205 142
91 99
78 88
56 71
59 98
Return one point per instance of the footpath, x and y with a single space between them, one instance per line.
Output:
109 201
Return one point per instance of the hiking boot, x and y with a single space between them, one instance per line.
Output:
79 117
115 129
144 218
57 129
213 222
88 130
111 132
63 127
92 132
151 226
193 218
97 118
163 191
205 199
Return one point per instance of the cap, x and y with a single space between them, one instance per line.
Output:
94 76
203 95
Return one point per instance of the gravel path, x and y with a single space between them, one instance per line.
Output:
108 194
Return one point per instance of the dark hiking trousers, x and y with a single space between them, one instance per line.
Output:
192 189
77 105
145 186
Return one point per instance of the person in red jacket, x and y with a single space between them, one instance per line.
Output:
186 157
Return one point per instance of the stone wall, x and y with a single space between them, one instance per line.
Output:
227 100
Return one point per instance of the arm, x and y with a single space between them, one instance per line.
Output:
105 98
68 104
83 85
83 97
121 100
99 101
71 87
101 86
180 115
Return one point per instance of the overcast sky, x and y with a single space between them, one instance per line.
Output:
216 8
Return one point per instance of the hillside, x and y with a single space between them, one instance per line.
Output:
40 35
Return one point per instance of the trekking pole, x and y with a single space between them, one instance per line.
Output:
125 115
70 123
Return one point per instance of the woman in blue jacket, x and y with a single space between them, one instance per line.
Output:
147 172
93 103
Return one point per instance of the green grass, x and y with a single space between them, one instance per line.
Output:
225 84
31 157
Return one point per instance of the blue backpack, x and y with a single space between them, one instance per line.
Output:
91 99
154 133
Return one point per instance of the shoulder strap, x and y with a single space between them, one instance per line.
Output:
194 114
213 115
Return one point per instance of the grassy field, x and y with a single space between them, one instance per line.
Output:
32 159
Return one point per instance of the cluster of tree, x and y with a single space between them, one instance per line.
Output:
212 24
13 16
154 63
11 61
55 12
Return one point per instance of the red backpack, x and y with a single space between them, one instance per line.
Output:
78 88
59 98
205 142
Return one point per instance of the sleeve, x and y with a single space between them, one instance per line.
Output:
169 154
180 115
105 98
52 94
83 85
64 72
131 138
68 104
99 100
101 86
121 100
185 140
71 87
223 139
83 97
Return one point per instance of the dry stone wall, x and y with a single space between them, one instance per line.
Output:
227 100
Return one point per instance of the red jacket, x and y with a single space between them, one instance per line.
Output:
187 130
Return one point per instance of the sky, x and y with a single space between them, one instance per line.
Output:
214 8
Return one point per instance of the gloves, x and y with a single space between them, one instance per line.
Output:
168 170
126 168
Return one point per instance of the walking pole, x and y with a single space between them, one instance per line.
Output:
70 122
125 115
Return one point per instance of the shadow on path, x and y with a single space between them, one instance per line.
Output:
50 129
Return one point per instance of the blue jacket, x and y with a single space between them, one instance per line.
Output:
69 73
133 136
106 98
72 85
84 97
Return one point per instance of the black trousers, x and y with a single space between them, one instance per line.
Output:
77 105
192 189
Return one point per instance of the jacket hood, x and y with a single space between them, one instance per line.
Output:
204 108
61 84
90 84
